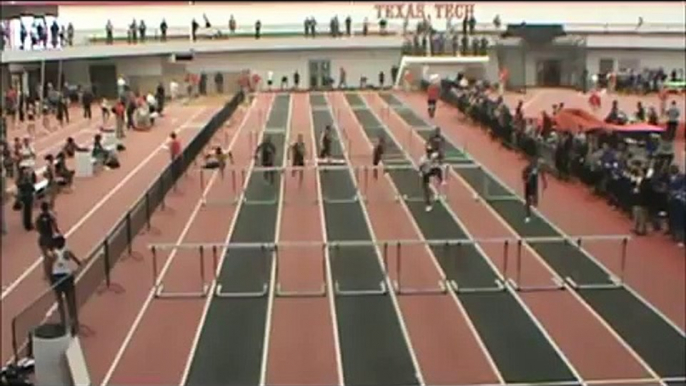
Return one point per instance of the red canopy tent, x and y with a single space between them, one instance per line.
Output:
577 119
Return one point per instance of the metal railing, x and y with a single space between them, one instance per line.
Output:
95 276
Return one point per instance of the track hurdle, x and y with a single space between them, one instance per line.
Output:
334 254
405 289
320 292
158 278
266 256
516 282
453 252
613 281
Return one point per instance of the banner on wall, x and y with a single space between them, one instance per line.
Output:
421 10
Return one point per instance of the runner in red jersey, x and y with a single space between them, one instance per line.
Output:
433 93
594 100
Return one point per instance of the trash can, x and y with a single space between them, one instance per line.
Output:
50 343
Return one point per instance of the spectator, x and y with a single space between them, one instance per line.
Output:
163 30
296 80
270 79
62 171
25 193
284 82
219 82
46 225
23 34
640 112
131 35
313 27
383 23
62 281
54 33
70 34
108 32
194 29
673 114
342 78
365 27
306 26
677 204
119 110
258 27
232 25
70 147
87 100
63 35
174 146
465 25
382 78
141 28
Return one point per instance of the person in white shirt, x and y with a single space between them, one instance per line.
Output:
270 80
27 154
430 166
121 85
62 280
174 89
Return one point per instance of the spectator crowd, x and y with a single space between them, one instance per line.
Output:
635 172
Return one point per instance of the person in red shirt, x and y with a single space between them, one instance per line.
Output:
594 100
433 93
663 95
504 75
119 111
174 146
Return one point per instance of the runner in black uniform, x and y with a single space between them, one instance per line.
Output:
266 151
530 176
377 155
325 143
436 144
297 154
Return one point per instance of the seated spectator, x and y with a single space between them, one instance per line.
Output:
653 118
65 176
103 156
27 154
217 159
640 112
71 147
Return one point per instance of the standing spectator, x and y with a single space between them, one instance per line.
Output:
383 23
3 196
47 228
677 204
87 100
219 82
673 114
163 30
119 110
142 28
23 34
472 23
313 27
174 146
40 34
365 27
382 78
270 80
121 86
70 34
133 32
54 34
25 192
296 80
258 27
109 33
63 35
306 25
160 97
348 26
232 25
202 86
62 281
342 78
194 30
105 111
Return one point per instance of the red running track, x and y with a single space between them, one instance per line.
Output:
655 264
589 344
92 210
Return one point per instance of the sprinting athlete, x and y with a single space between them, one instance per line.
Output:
325 143
433 93
266 151
430 166
436 144
377 155
297 155
530 176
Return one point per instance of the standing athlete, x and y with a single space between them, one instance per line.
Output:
377 155
530 176
62 280
325 143
297 154
433 93
46 225
266 151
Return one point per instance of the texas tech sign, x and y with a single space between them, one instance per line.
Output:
420 10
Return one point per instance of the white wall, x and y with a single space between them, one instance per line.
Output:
356 62
647 59
77 71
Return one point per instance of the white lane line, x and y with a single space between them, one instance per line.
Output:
387 280
277 233
206 309
151 295
325 237
494 268
91 212
439 268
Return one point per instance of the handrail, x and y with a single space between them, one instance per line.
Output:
104 256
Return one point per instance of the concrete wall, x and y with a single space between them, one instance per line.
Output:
646 59
356 62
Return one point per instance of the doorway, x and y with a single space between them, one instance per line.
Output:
320 73
549 72
103 79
